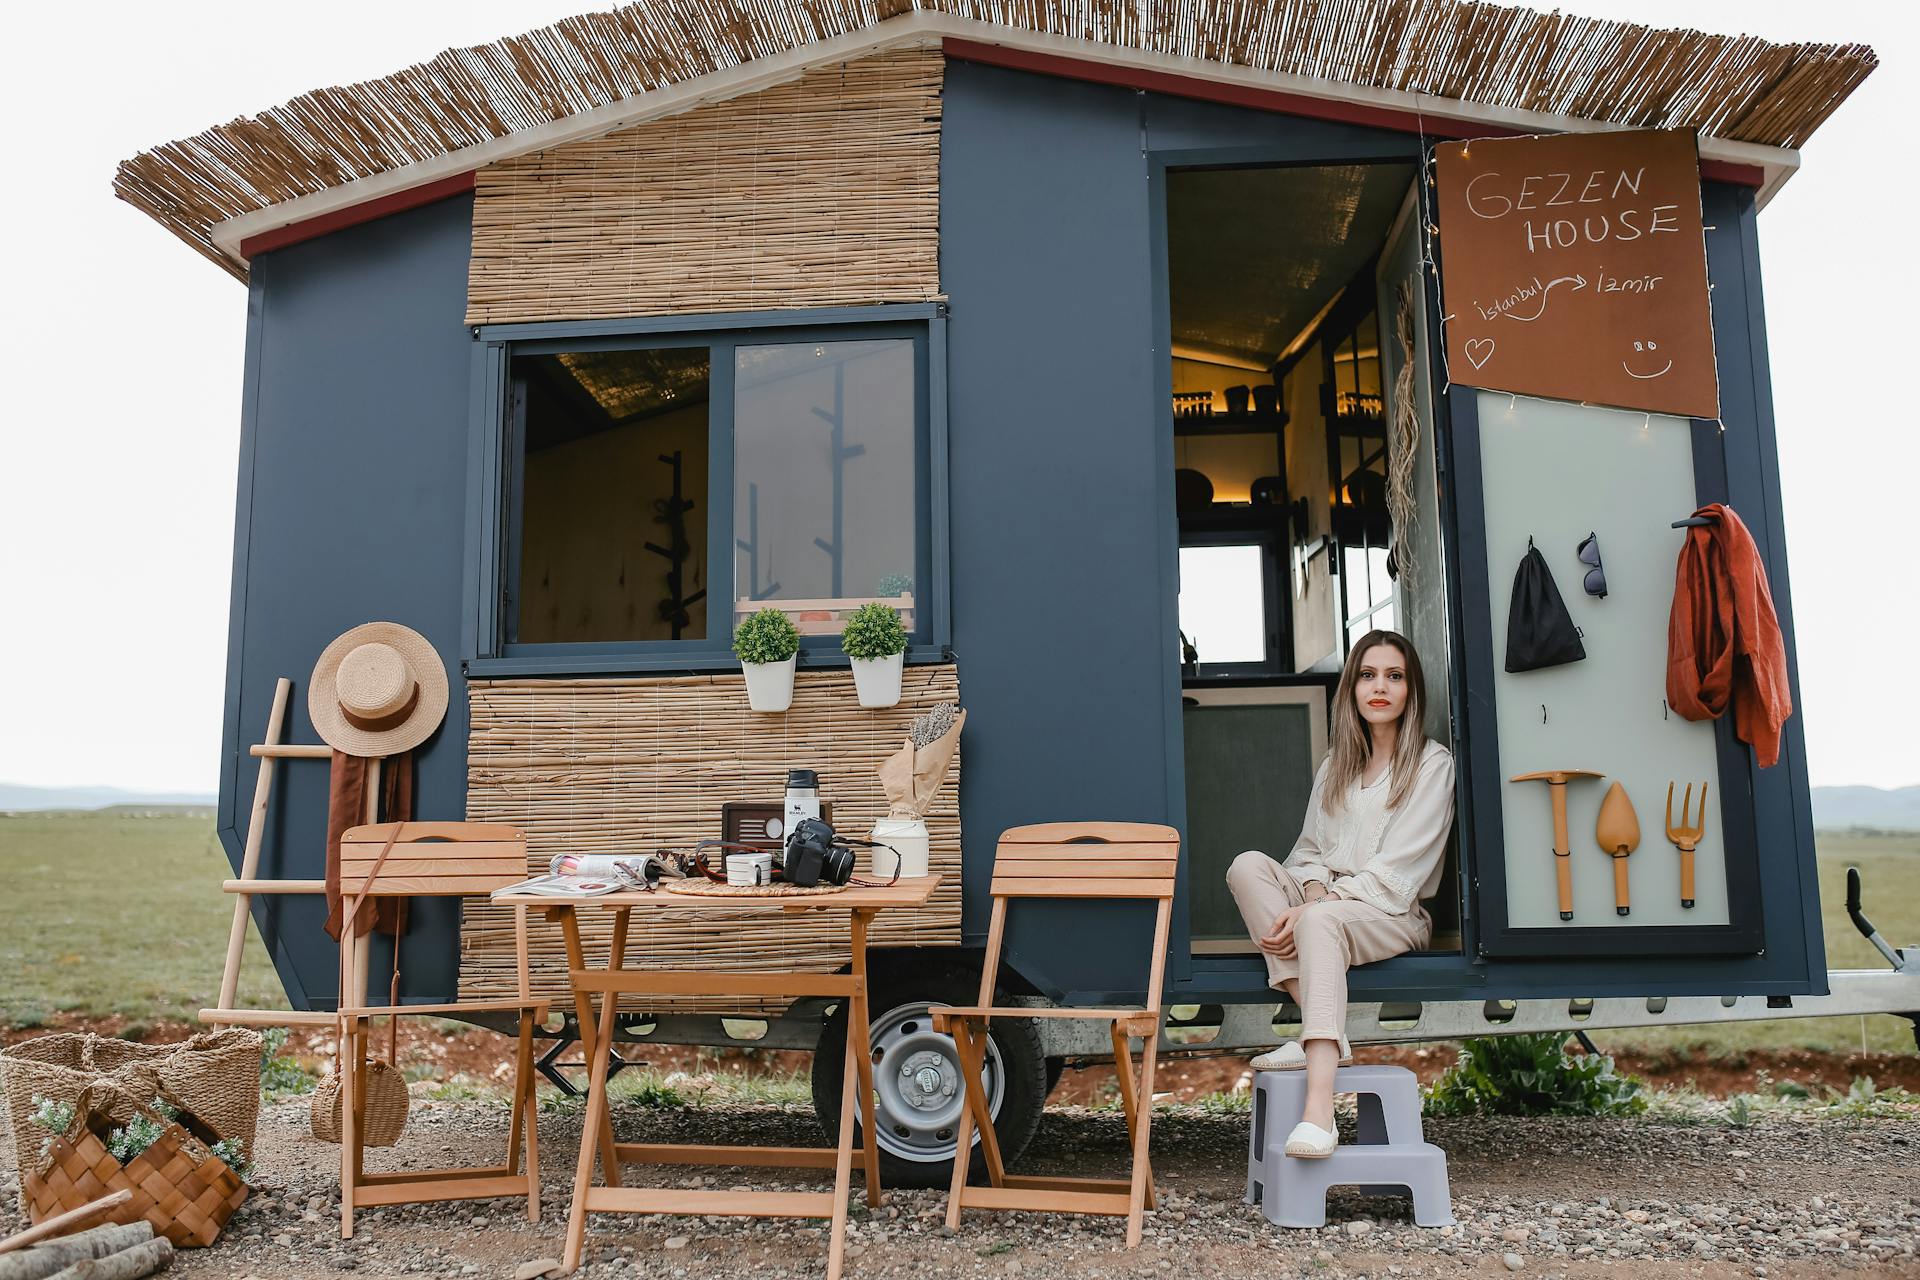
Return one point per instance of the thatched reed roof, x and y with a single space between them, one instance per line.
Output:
1738 88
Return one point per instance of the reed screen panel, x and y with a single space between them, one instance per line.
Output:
624 766
821 192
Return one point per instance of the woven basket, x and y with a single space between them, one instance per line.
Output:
214 1075
178 1184
383 1109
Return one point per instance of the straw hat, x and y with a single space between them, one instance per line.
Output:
378 690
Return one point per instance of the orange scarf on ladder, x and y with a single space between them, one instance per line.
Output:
346 808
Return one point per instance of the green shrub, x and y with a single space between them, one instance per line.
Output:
1524 1075
768 636
281 1077
1863 1099
28 1016
895 584
873 631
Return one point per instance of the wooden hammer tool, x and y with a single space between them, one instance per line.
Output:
1556 780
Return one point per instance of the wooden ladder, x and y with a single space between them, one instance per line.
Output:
270 753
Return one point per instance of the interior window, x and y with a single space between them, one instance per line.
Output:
606 481
826 502
1223 591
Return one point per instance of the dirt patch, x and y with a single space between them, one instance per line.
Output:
439 1050
1716 1075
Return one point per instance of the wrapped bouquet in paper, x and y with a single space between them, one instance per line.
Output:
910 778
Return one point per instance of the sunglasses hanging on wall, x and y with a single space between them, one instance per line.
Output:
1589 552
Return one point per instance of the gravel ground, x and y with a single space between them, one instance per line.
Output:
1793 1195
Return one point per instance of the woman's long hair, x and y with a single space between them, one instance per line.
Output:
1353 738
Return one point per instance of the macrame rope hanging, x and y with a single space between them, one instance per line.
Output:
1404 444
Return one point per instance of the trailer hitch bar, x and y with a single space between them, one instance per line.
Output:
1864 925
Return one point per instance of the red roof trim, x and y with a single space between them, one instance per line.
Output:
1274 100
354 215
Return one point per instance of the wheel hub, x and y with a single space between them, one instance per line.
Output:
928 1078
917 1077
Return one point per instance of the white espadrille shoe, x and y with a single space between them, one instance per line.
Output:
1310 1142
1291 1056
1288 1056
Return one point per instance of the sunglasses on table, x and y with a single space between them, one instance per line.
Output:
1589 552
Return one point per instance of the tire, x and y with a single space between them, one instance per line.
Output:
1056 1067
916 1143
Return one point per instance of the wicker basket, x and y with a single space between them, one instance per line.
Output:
178 1184
214 1075
383 1109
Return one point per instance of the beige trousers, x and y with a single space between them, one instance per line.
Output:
1334 935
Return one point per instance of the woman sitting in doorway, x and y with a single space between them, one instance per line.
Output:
1349 893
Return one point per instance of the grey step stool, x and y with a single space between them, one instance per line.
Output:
1391 1158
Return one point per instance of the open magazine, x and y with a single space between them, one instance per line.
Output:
588 876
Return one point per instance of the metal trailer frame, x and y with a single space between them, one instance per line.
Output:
1894 990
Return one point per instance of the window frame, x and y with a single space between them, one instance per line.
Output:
490 551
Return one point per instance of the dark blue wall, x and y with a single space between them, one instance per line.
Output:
352 508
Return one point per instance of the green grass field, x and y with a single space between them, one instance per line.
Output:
117 913
112 913
1890 873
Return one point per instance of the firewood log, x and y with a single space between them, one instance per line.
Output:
128 1264
43 1260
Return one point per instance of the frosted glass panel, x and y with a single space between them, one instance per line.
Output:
1557 472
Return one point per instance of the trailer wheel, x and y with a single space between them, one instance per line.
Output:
916 1076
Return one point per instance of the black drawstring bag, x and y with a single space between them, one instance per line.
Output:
1540 631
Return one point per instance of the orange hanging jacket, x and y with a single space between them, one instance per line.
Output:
1723 638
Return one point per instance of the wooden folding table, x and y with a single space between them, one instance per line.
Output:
860 904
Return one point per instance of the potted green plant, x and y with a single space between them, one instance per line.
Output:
768 646
876 643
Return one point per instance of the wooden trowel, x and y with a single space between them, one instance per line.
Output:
1618 831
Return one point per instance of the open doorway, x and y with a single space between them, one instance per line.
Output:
1305 490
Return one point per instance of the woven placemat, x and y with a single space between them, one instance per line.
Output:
714 889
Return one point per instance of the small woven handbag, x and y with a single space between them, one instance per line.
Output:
383 1096
383 1111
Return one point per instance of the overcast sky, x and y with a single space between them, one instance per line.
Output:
123 353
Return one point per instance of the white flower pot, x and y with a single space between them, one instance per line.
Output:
878 679
770 684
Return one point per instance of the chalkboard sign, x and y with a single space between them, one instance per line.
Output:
1574 267
1250 759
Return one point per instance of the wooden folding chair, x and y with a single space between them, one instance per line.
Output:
428 859
1083 860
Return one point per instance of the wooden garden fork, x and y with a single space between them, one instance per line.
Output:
1686 838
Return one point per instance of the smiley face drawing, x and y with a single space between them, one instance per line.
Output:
1647 354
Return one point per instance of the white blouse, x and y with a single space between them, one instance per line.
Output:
1390 858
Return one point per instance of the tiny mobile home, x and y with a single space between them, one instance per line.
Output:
1108 344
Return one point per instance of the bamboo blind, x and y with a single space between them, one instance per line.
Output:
821 192
628 765
1738 87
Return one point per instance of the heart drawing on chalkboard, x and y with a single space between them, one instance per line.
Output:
1479 351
